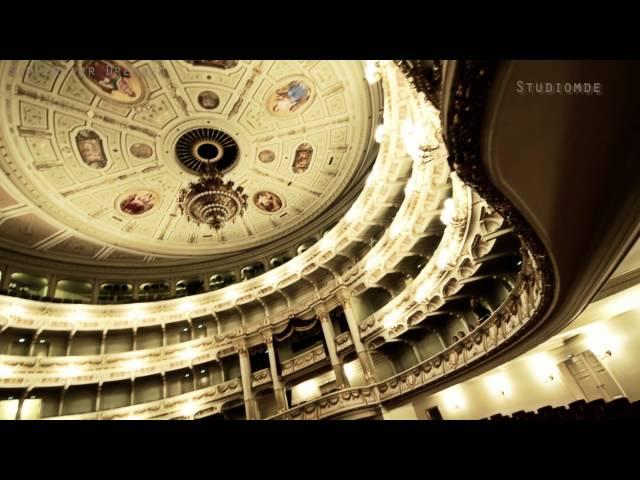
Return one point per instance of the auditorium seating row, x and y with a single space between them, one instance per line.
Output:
617 409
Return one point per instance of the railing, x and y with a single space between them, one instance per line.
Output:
426 76
261 377
186 405
343 341
54 371
304 360
520 307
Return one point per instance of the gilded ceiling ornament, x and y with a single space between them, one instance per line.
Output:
141 150
302 158
138 203
113 80
266 156
268 202
91 150
221 64
290 97
208 99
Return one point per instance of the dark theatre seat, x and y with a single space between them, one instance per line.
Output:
617 409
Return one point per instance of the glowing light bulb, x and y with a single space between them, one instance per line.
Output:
443 260
601 340
188 354
186 307
423 291
391 319
499 385
453 398
70 371
231 295
326 242
373 262
15 311
353 214
78 316
5 371
189 409
398 228
295 265
448 211
410 188
543 367
378 135
372 72
134 364
271 279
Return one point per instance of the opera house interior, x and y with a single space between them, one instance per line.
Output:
319 240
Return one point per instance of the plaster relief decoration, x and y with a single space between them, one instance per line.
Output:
141 150
113 80
266 156
302 158
290 98
223 64
144 140
138 203
91 150
268 202
208 100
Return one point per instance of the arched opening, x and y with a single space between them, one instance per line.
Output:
154 290
27 285
221 280
115 292
250 271
74 290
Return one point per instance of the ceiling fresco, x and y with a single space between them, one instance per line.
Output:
89 166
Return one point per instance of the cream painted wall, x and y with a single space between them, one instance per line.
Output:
405 412
624 363
525 381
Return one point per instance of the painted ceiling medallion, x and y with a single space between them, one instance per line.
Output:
138 203
209 100
91 150
200 148
291 97
266 156
113 80
79 185
302 158
222 64
141 150
268 202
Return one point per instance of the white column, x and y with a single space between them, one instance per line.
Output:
247 379
330 340
278 388
51 286
363 355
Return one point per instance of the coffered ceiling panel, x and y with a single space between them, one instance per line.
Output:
91 146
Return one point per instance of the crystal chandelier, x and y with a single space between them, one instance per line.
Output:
210 200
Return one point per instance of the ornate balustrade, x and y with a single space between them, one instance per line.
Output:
187 405
343 341
520 307
304 360
392 164
57 371
261 377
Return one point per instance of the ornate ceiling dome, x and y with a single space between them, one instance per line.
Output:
94 154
